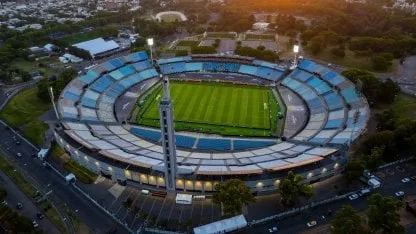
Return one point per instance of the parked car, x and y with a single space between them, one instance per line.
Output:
273 229
353 196
399 194
311 223
40 215
405 180
35 224
19 154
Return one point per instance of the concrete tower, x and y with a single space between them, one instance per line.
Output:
168 136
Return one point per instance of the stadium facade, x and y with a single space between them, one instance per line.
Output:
323 114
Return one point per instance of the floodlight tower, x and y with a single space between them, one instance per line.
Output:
295 51
53 102
168 136
150 43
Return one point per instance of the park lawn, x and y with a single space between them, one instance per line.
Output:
405 106
22 112
350 60
31 66
188 43
216 108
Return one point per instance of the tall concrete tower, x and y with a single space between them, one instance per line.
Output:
168 136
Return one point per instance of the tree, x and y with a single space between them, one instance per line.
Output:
232 194
292 187
338 52
128 202
388 91
348 221
375 159
354 169
383 214
380 63
43 90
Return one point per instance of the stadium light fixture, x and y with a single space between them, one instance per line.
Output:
150 43
296 49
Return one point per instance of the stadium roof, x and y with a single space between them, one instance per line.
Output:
97 46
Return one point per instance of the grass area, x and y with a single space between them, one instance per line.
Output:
269 37
216 108
188 43
405 106
82 173
22 112
350 60
220 35
56 151
31 66
25 186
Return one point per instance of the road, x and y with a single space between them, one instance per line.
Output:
46 179
15 195
391 179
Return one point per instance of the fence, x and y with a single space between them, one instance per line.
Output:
300 209
396 162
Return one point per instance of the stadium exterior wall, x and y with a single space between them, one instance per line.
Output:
188 184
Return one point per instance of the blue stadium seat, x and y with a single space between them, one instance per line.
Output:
268 73
247 69
193 67
185 141
152 135
90 77
102 83
333 101
350 95
247 144
143 65
213 144
135 57
170 68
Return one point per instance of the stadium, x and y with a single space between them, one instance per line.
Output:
235 117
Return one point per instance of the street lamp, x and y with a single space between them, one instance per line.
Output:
295 51
150 43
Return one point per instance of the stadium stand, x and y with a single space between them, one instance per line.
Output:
87 108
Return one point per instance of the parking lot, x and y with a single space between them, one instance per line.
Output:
137 209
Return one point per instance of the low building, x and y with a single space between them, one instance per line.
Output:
98 47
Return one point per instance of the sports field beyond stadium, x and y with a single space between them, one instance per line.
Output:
216 108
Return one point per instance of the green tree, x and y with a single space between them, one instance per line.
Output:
388 91
348 221
291 187
338 52
380 63
383 214
354 169
232 194
43 90
375 158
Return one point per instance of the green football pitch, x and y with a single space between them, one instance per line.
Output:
216 108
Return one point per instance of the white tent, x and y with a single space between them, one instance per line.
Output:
222 226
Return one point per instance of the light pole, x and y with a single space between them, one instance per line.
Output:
53 102
295 51
150 43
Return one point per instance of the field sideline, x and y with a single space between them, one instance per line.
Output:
216 108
